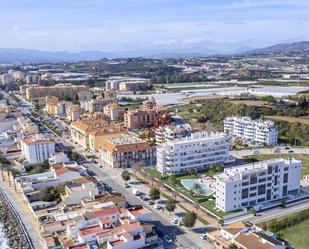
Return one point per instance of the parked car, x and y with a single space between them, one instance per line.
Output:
157 206
174 220
136 192
150 202
167 239
126 185
203 236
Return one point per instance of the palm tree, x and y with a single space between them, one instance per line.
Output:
197 188
192 171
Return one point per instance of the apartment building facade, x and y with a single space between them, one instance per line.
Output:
145 118
37 148
62 91
253 185
114 111
126 151
198 151
169 133
260 132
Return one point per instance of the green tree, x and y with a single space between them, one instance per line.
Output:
253 211
170 206
190 219
221 222
125 175
154 193
197 188
172 180
232 246
192 171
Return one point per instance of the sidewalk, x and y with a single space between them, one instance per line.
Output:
17 200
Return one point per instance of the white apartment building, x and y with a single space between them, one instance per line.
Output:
261 132
37 148
170 133
253 185
200 150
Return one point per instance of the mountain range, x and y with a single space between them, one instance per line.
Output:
11 55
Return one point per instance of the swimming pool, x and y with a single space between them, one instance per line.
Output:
188 184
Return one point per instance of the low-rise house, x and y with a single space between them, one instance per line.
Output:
8 117
58 157
243 236
83 188
105 200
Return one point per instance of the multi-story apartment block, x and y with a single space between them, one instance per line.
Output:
114 111
170 133
89 132
62 91
128 84
198 151
253 185
37 148
73 113
251 131
125 151
95 105
143 118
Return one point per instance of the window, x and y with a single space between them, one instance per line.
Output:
262 180
285 190
285 177
245 183
268 195
253 179
261 200
253 188
270 170
261 189
244 193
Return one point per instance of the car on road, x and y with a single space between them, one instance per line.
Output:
174 220
144 198
157 206
126 185
150 202
291 151
91 173
167 239
203 236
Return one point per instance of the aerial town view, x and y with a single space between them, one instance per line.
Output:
156 124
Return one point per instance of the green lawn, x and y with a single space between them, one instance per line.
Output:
153 171
210 205
297 235
303 157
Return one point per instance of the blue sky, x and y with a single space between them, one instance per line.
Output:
125 25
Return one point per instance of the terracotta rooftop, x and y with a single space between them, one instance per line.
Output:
234 228
252 241
62 170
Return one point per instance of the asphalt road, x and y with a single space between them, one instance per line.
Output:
163 225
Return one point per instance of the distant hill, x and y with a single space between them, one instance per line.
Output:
302 46
10 55
19 55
